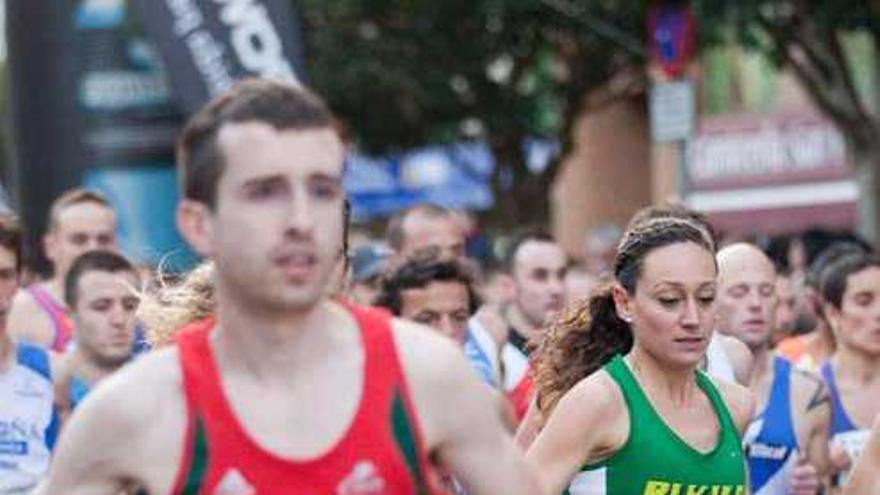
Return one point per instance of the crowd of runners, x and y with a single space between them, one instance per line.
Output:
299 358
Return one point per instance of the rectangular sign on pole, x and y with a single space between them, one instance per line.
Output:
207 45
672 110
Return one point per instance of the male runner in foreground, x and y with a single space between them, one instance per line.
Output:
287 391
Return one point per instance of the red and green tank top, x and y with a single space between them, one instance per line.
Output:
381 453
655 460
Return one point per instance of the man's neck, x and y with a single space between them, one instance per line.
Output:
762 367
274 345
821 344
518 321
858 366
7 356
90 370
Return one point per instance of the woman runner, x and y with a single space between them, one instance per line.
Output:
629 412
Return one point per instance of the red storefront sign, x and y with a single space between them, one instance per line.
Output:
770 174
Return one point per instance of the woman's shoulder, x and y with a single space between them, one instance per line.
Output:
600 406
596 399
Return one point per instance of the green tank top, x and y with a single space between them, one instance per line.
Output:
655 460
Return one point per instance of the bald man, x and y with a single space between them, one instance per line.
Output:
787 442
865 478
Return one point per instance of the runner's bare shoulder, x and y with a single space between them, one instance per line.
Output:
599 400
425 355
129 430
438 377
28 322
741 359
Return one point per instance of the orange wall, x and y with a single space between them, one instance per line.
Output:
608 174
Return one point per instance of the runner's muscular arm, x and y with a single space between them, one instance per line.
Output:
865 478
812 413
588 424
88 459
28 322
459 421
818 415
104 447
529 427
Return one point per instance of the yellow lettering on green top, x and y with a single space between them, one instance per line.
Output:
656 488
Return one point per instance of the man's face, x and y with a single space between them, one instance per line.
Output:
747 297
444 233
8 283
77 229
276 231
442 305
538 273
857 323
105 316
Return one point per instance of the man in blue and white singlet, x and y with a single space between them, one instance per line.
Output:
27 419
787 441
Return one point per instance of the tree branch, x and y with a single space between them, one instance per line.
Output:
845 74
859 130
806 70
812 82
610 32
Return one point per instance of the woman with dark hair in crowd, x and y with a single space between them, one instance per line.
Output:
851 291
629 411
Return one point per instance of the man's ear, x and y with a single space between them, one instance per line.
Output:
832 317
50 244
507 284
195 221
622 303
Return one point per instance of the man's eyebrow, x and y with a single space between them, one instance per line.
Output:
325 176
262 179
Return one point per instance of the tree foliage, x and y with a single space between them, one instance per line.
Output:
406 73
807 38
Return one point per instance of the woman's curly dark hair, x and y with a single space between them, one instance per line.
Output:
583 339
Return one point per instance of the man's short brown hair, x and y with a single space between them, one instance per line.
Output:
93 261
395 234
11 237
74 197
281 105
